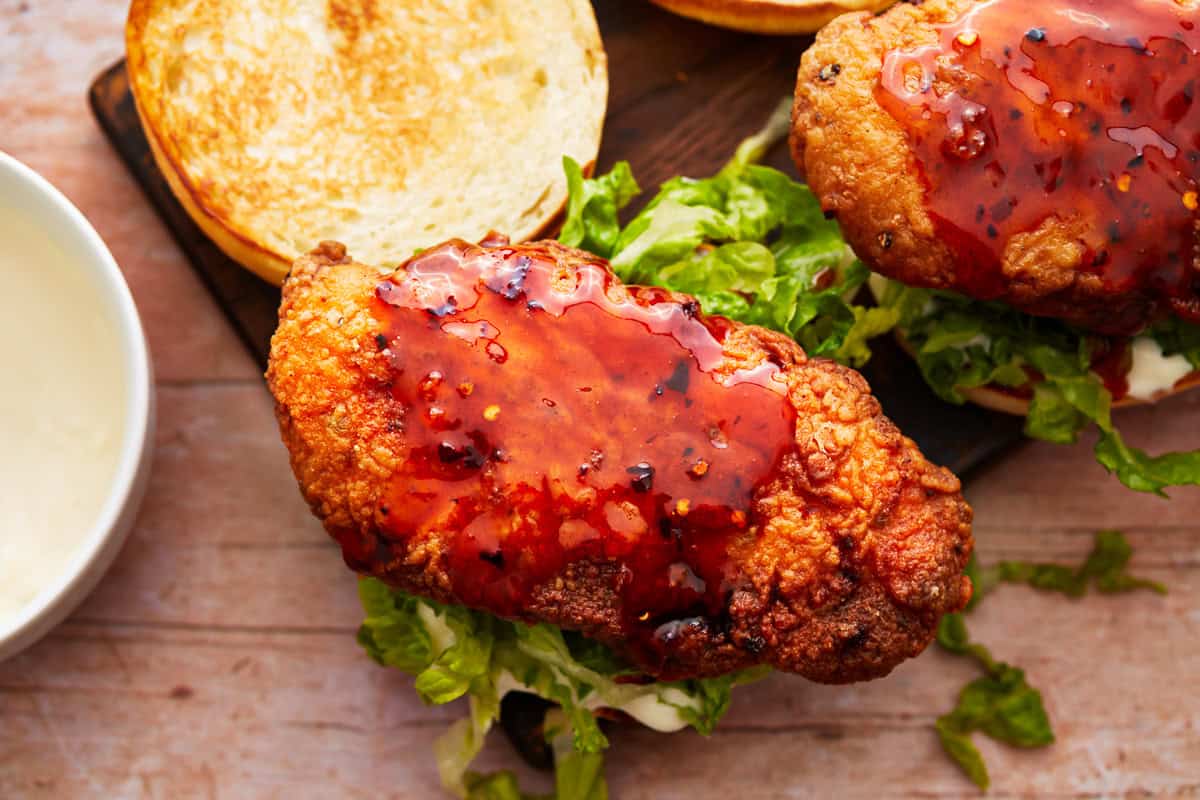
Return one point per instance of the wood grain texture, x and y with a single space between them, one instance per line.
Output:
217 659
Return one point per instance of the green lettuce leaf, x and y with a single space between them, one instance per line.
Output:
749 243
392 636
1143 472
577 775
1001 704
1176 337
1104 571
452 651
463 740
592 207
500 785
962 344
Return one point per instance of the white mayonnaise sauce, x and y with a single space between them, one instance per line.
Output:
1152 373
647 707
62 406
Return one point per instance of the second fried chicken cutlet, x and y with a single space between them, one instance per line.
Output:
511 429
1044 153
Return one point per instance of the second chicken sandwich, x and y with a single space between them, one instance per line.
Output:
1026 172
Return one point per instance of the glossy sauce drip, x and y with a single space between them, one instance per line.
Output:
1024 110
547 423
1112 362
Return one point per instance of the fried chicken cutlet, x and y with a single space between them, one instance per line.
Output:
1042 153
511 429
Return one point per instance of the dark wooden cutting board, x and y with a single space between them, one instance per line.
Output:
682 96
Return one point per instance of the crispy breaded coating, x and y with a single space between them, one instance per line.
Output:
1036 153
512 429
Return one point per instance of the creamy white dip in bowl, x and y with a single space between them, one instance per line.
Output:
76 407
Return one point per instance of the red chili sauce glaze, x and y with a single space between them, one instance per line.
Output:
1111 362
550 420
1025 108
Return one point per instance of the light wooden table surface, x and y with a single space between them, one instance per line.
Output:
217 658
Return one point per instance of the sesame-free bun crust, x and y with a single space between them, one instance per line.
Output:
770 16
390 126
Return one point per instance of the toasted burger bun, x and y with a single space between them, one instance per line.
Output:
999 398
770 16
389 126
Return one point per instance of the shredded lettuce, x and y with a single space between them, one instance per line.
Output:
1104 571
1001 704
453 651
749 243
961 344
1176 337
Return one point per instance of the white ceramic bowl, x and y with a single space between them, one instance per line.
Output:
37 210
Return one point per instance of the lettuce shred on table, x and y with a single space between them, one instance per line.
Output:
1001 704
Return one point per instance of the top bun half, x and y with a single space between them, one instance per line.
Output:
388 126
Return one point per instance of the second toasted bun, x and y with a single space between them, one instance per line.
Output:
998 398
281 123
770 16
